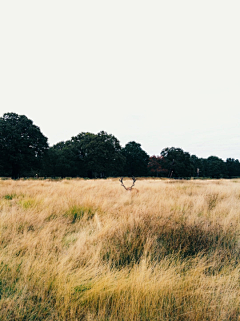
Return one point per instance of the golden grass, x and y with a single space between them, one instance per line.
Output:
89 250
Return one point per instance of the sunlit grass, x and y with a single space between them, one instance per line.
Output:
89 250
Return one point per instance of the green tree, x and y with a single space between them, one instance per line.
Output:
177 162
198 166
215 167
136 160
63 160
101 154
22 145
232 167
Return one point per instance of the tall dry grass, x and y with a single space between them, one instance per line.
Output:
89 250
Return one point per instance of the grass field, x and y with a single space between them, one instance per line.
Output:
89 250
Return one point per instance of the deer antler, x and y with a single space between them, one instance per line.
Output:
127 188
134 180
121 181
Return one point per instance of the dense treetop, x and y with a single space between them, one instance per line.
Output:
24 152
22 145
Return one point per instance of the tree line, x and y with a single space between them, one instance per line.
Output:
24 152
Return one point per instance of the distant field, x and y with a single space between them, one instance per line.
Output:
89 250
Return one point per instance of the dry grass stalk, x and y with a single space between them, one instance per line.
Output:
87 250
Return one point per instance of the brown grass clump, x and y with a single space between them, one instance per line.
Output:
89 250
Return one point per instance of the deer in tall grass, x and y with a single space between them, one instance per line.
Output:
129 189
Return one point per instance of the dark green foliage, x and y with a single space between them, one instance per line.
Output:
86 155
101 154
215 167
24 152
232 167
177 162
136 160
9 196
63 160
22 146
197 166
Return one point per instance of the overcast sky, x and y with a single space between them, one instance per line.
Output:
161 73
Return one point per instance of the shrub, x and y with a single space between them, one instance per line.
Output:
156 240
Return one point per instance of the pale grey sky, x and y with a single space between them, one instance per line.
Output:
161 73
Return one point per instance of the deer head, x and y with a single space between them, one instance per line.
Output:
127 188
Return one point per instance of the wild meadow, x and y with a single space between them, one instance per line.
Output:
90 250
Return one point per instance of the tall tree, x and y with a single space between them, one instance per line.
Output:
22 145
136 160
63 160
177 162
232 167
215 167
101 154
198 166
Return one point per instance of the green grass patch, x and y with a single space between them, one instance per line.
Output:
9 197
82 288
28 203
76 213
